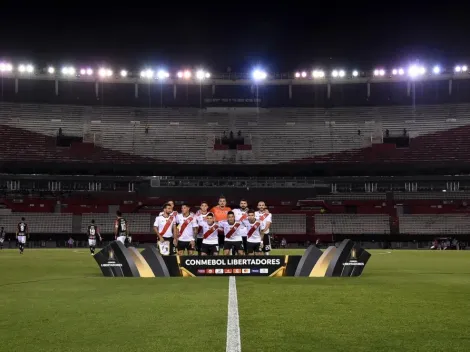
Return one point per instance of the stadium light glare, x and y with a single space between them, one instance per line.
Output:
180 74
436 70
29 68
22 68
341 73
51 70
318 74
414 71
464 68
334 73
148 73
187 74
401 71
82 71
259 75
458 69
355 73
105 72
297 75
68 71
162 74
208 75
376 72
394 72
123 73
89 71
6 67
382 72
200 75
303 74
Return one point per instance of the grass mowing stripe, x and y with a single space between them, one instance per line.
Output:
233 325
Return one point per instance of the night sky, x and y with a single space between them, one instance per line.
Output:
281 36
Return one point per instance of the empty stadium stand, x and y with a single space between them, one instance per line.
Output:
185 135
354 224
38 222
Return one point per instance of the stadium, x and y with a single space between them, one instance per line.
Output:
379 157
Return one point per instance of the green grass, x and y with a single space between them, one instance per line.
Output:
57 300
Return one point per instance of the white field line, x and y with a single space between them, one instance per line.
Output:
233 324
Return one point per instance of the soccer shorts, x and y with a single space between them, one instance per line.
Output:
237 245
121 239
91 243
253 247
267 243
221 237
244 240
22 239
199 244
209 249
182 245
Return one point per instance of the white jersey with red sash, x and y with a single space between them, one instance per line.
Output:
264 218
253 234
242 217
210 234
200 218
165 225
187 225
232 232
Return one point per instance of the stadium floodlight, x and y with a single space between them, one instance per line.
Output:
355 73
334 73
123 73
162 74
180 74
6 67
401 71
187 74
303 74
394 72
89 71
105 72
436 70
82 71
208 75
22 68
148 73
200 75
68 71
464 68
51 70
29 68
259 75
297 75
341 73
458 69
379 72
318 74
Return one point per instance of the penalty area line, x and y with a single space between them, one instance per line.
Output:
233 324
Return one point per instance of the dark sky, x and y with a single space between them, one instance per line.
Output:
281 36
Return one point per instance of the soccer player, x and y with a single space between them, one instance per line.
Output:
266 218
22 232
121 228
254 234
201 218
220 212
92 232
210 237
165 228
187 230
242 216
2 237
172 204
233 238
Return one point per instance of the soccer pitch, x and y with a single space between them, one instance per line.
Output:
58 300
